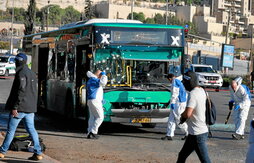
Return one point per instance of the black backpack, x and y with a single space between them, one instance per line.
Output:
25 143
210 112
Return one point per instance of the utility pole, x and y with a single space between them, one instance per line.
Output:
12 21
229 17
166 13
132 6
251 57
48 16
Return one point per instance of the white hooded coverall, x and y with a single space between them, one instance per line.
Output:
95 97
250 154
179 98
241 98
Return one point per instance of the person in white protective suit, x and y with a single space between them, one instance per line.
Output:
95 86
241 101
250 154
177 105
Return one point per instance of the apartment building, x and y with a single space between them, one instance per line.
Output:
235 14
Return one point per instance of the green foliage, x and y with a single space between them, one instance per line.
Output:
137 16
159 19
4 45
191 2
54 14
149 21
70 15
89 11
34 16
19 14
30 17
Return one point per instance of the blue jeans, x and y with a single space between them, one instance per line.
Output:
28 119
197 143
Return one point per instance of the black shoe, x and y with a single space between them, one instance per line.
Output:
237 136
92 136
35 157
184 138
167 138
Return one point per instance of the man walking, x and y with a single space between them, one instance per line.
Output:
95 96
177 105
194 115
241 101
22 104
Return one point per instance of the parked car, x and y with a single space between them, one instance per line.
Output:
7 65
207 76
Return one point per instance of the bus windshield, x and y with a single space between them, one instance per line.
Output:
139 36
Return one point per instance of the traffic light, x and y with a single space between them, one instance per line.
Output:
186 31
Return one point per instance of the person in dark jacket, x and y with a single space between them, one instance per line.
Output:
22 103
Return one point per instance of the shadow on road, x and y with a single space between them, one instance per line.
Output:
49 121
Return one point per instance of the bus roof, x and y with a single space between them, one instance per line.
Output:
110 23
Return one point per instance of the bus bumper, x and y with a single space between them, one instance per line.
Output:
140 116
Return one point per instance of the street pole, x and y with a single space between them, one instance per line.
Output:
48 17
226 40
12 21
251 57
132 6
229 17
167 12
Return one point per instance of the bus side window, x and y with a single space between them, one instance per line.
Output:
52 65
61 60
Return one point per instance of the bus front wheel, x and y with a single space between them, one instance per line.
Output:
68 112
148 125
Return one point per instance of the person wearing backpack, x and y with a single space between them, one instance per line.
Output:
240 99
195 117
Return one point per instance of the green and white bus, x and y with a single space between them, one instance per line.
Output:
135 56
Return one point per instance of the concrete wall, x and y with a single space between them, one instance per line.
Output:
112 11
208 25
243 43
203 11
185 13
77 4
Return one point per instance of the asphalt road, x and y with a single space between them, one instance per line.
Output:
66 141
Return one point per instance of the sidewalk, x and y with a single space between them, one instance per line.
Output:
21 157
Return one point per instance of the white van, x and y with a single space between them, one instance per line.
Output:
7 65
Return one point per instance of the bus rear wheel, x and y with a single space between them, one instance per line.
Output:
148 125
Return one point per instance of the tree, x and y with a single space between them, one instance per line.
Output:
30 17
55 14
137 16
4 45
158 18
19 14
70 15
89 11
150 21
